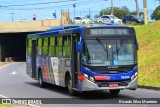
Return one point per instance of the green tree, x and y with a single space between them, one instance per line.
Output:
156 14
133 13
119 12
96 16
88 16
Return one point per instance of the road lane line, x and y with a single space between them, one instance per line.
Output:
7 65
14 72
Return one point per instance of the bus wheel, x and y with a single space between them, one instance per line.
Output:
40 78
69 86
114 92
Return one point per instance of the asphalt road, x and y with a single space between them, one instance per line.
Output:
15 83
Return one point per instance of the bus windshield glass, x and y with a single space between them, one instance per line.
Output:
103 52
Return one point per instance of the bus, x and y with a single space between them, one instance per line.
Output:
84 58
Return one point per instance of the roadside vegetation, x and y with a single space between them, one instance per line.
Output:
5 105
149 53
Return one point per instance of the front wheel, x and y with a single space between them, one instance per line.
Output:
114 92
69 87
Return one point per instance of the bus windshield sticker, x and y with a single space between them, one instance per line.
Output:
54 62
115 62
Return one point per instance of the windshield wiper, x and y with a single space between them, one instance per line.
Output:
101 44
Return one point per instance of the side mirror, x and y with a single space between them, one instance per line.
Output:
79 47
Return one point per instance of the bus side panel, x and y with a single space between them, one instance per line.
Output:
53 69
58 70
63 68
50 71
43 65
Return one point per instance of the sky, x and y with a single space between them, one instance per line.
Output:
44 9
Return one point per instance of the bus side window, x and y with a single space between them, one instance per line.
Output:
58 47
29 46
45 47
67 46
39 46
52 46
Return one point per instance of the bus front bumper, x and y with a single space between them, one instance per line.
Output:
91 86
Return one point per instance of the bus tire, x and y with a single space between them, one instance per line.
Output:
40 79
69 86
114 92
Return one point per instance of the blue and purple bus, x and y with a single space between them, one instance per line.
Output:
84 58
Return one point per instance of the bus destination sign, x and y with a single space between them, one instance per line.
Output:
109 31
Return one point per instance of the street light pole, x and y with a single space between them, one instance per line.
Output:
145 12
137 7
102 9
12 16
112 6
74 6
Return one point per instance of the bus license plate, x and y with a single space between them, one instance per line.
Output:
113 85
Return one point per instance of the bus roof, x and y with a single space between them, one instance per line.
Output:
56 30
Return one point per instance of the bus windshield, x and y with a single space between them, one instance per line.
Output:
100 52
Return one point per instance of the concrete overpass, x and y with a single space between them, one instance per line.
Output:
13 37
28 26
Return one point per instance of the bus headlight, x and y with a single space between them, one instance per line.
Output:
134 76
86 75
91 79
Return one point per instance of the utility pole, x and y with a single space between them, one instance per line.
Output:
145 12
112 7
89 13
12 16
102 8
74 6
137 7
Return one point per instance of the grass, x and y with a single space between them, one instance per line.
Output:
149 53
5 105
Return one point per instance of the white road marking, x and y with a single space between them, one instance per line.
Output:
3 96
13 73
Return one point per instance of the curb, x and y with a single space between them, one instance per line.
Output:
149 87
3 66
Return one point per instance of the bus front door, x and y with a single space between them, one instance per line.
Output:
74 62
